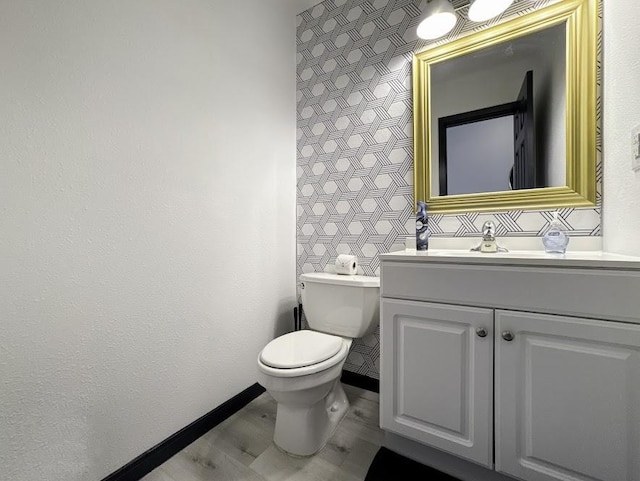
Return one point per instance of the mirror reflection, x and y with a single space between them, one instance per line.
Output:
498 116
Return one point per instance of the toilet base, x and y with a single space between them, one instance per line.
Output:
304 430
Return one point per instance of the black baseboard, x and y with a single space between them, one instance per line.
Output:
361 381
154 457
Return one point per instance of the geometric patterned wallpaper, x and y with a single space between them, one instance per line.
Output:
355 141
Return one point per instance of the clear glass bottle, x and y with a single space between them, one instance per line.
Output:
556 237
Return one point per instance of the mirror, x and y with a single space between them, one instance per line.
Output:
497 116
505 118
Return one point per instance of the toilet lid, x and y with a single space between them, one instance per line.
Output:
299 349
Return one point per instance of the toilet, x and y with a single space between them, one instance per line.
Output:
302 369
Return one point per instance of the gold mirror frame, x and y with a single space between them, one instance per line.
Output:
580 17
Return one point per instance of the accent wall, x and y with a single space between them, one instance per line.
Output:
355 142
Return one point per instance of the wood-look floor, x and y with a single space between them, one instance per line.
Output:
241 448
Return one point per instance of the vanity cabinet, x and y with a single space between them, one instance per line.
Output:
538 396
438 381
567 398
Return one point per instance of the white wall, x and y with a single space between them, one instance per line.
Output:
550 126
621 112
147 196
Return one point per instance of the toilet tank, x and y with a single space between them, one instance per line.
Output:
347 306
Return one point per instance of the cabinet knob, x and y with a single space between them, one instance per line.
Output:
508 335
482 332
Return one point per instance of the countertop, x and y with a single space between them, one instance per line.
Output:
586 259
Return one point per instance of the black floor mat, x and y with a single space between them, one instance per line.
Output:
390 466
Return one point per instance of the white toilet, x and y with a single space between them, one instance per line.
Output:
302 369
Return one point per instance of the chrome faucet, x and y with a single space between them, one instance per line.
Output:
489 243
489 231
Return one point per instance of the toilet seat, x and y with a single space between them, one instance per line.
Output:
329 351
299 349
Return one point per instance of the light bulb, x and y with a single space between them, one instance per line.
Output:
483 10
439 19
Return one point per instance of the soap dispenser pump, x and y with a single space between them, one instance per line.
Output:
556 237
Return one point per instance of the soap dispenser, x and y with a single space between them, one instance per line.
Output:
556 237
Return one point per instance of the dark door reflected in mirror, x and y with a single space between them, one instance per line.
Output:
498 117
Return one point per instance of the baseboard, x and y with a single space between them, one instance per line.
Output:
154 457
361 381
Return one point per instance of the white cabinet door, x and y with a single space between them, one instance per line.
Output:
567 398
437 376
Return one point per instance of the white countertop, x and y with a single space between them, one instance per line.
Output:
585 259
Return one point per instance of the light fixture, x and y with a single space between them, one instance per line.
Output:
439 19
483 10
440 16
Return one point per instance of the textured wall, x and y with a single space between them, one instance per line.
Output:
355 145
621 112
147 195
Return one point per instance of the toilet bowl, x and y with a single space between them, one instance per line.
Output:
302 369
